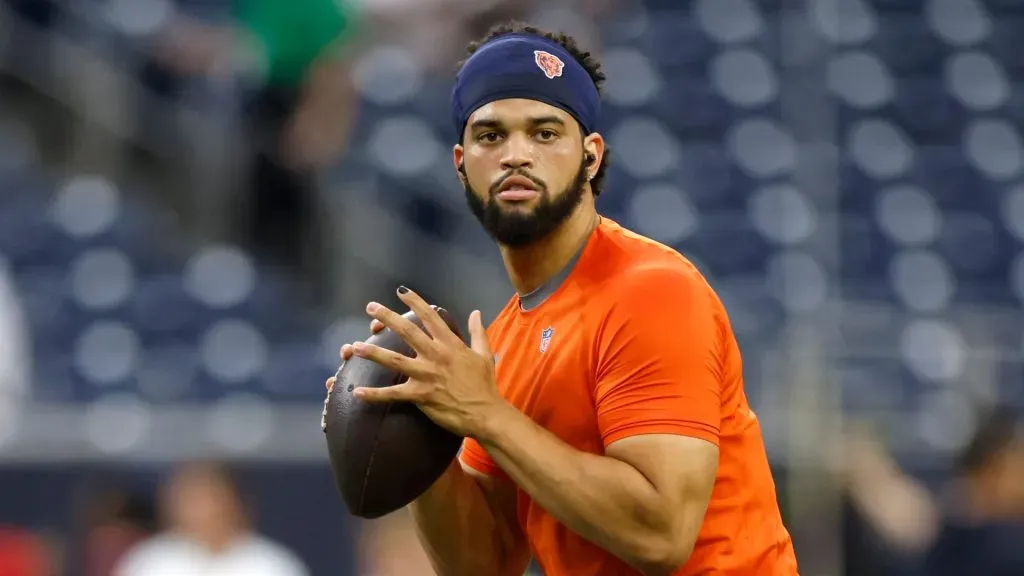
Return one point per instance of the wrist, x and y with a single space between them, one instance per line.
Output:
494 422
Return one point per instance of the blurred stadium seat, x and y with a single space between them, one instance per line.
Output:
117 315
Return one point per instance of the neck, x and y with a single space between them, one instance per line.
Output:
529 267
218 538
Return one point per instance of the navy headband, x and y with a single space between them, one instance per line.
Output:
525 66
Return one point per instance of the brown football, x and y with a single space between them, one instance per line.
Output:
383 456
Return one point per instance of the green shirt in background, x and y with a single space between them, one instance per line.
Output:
291 34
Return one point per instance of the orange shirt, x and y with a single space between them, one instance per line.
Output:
632 340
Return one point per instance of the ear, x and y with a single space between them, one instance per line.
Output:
459 159
593 145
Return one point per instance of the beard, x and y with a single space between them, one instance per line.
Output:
516 228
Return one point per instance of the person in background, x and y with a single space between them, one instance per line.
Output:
976 528
117 521
983 530
208 533
389 547
293 60
23 554
15 355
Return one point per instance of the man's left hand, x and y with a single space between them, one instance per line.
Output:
453 384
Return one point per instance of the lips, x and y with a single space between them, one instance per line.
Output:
517 184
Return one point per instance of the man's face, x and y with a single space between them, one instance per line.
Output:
199 502
524 169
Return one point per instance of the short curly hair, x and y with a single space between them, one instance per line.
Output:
587 60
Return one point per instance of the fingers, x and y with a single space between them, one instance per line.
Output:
397 393
400 363
330 383
478 335
411 333
428 314
346 352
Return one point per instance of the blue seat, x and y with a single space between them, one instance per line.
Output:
168 371
728 245
770 42
676 43
976 247
162 311
1006 44
296 371
890 8
953 182
270 308
756 316
990 291
925 109
661 7
431 103
710 178
140 233
209 388
27 238
856 190
907 46
869 386
864 262
768 6
41 13
1003 8
1013 109
1010 384
692 109
54 379
45 299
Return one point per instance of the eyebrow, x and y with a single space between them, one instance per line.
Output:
535 121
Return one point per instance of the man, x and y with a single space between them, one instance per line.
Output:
209 533
23 553
294 61
976 524
610 434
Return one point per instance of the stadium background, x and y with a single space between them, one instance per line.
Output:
847 173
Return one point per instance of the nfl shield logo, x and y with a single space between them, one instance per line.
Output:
545 338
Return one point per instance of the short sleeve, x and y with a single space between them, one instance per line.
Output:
660 351
474 456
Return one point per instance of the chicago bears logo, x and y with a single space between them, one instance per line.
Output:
550 64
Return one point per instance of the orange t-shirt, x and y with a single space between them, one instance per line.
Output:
634 341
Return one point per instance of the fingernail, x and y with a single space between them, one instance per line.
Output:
402 289
359 347
372 307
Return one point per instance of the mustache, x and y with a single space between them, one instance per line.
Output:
541 187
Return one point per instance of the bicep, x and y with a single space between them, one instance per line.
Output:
501 499
682 470
661 368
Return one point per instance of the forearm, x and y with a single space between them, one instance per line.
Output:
602 499
458 530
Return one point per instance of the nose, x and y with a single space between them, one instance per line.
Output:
516 154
